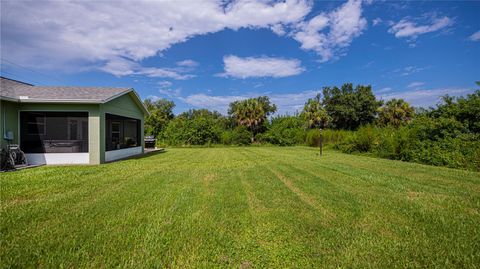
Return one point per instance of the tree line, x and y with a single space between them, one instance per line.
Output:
351 118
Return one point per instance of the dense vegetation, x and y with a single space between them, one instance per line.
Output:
351 119
241 207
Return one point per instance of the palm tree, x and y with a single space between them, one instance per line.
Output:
252 113
314 113
396 112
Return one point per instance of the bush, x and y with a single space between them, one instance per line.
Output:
192 131
284 131
426 141
312 138
330 137
238 136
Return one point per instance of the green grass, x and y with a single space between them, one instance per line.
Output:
241 207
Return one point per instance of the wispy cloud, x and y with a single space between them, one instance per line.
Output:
123 67
475 36
409 28
424 97
248 67
383 90
377 21
409 70
165 84
172 93
416 84
286 102
187 63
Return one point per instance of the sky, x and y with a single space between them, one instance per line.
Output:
206 54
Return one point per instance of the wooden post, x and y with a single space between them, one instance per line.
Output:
321 142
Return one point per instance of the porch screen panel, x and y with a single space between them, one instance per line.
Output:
121 132
53 132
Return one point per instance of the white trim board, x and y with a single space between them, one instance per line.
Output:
58 158
113 155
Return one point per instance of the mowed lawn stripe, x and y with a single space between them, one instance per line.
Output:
401 212
241 207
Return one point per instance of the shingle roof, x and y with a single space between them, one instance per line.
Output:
12 89
18 91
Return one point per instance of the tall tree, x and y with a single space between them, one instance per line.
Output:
395 112
252 113
314 114
161 112
465 109
350 108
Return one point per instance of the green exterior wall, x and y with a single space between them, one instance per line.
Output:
124 105
8 121
93 122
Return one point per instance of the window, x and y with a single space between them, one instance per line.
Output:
115 134
53 132
36 123
121 132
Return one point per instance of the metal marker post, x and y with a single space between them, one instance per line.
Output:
321 142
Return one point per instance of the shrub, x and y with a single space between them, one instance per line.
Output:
285 131
238 136
330 137
312 138
192 131
365 139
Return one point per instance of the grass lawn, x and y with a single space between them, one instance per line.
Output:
241 207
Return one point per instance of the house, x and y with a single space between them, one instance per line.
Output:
71 125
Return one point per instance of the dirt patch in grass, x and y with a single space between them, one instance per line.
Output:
209 177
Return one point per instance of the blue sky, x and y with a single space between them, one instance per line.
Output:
205 54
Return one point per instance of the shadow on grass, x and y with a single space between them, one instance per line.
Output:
149 154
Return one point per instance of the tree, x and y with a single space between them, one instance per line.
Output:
464 109
252 113
285 131
395 112
350 108
314 114
195 127
161 112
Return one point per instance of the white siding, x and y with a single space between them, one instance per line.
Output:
58 158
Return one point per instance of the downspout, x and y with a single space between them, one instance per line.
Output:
4 119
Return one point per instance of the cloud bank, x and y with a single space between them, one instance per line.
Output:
115 36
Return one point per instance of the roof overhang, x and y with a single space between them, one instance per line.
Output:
130 91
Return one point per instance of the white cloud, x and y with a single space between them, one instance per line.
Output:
286 102
410 29
171 92
260 67
187 63
123 67
416 84
162 73
475 36
425 98
165 84
278 29
384 90
408 70
376 21
100 34
329 34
